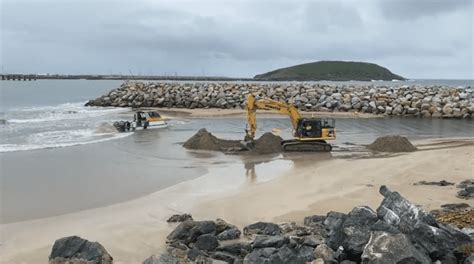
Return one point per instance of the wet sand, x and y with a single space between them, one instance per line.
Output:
238 113
284 189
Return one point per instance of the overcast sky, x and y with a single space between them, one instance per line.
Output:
416 39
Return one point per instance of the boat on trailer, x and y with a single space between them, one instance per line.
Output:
142 120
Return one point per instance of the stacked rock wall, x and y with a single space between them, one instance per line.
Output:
415 100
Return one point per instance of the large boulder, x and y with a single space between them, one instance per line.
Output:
391 248
206 242
179 218
226 231
163 259
435 240
356 231
229 234
281 255
400 212
333 223
238 249
324 252
438 243
262 228
188 231
76 250
263 241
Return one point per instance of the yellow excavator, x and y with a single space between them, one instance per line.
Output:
310 134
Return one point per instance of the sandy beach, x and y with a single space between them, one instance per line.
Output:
285 189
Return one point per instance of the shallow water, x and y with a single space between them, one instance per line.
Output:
53 161
47 182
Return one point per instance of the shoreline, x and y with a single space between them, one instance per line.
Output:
133 230
234 113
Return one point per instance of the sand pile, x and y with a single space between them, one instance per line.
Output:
203 140
392 144
206 141
268 143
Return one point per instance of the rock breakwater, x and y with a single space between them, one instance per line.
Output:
398 231
415 100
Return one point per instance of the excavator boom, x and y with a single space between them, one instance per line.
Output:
265 104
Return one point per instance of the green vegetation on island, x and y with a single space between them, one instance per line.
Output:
331 71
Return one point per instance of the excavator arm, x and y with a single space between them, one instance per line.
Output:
254 104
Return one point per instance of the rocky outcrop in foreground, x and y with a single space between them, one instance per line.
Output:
417 101
397 232
76 250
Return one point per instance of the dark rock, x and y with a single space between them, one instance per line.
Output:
188 231
164 259
193 253
312 241
222 225
388 216
347 262
229 234
151 260
390 248
385 227
206 242
334 220
293 229
324 252
263 241
448 258
262 228
207 260
260 256
179 218
460 237
437 242
408 213
333 223
439 183
454 207
178 250
306 253
238 249
469 260
282 255
467 193
229 258
350 231
77 248
465 183
314 219
356 231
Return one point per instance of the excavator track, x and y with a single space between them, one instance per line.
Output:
306 146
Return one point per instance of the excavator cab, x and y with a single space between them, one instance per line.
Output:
315 129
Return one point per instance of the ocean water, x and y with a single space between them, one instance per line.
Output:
51 113
55 159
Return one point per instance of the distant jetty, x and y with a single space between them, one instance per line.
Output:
402 100
331 71
34 77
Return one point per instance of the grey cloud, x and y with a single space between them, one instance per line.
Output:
414 9
233 38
